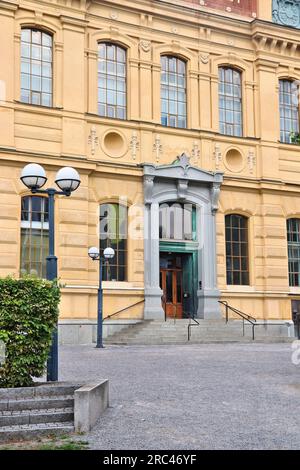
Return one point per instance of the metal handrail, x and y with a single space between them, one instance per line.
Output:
243 315
124 309
190 325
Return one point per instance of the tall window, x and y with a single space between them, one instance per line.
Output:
289 109
237 260
177 221
36 67
111 81
293 236
34 235
173 92
230 102
113 233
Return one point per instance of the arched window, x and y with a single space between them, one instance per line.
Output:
230 102
111 81
177 221
34 235
113 233
36 67
289 109
173 92
293 238
237 258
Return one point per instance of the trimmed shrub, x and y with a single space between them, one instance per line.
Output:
28 315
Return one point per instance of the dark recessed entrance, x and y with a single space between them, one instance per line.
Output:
177 284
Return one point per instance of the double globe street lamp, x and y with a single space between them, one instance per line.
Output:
67 179
94 254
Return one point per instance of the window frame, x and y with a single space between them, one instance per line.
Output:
231 256
169 223
39 63
176 89
113 77
41 226
293 245
223 95
288 107
119 236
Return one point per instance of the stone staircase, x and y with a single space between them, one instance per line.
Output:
34 412
209 331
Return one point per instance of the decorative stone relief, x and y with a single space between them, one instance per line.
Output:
113 15
286 12
148 188
204 58
217 156
93 140
195 153
182 188
251 161
145 45
215 195
134 145
183 160
157 147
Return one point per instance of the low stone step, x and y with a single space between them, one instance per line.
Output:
14 418
31 431
37 403
40 390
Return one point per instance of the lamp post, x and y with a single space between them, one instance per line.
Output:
94 254
68 180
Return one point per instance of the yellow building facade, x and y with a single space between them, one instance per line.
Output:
121 91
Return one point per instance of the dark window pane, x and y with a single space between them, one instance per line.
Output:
237 264
113 233
293 238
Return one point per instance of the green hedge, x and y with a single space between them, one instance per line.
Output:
28 315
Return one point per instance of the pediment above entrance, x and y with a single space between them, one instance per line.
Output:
181 181
181 169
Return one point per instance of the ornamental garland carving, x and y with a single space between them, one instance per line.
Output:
286 12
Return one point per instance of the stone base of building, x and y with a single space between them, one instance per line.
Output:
85 331
208 305
153 305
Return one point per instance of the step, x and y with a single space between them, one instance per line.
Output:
14 418
31 431
39 390
37 403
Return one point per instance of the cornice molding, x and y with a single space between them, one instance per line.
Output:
11 5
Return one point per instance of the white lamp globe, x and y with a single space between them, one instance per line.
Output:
67 179
33 176
109 253
94 253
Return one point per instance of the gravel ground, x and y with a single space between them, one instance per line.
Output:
213 396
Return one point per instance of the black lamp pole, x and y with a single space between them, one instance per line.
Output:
68 180
51 275
94 254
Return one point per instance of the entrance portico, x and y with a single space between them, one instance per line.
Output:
181 183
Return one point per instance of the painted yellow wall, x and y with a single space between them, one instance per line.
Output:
261 175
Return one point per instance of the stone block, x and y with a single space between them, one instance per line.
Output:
90 402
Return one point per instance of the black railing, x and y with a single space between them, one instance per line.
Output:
244 316
123 310
190 325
